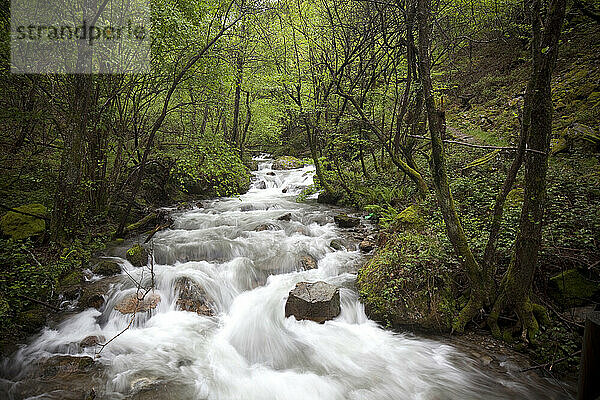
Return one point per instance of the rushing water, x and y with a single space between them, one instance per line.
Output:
248 349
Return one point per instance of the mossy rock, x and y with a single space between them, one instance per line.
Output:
70 285
515 197
32 320
410 217
107 268
571 289
287 162
329 198
20 226
346 221
408 284
137 256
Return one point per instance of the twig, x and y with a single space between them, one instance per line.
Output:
551 363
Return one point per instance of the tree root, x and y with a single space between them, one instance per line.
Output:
528 313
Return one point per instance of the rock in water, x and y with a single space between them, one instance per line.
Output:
137 256
287 162
346 221
91 341
131 302
367 244
285 217
192 297
107 268
318 301
267 227
308 262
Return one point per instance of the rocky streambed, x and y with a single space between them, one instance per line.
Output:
212 317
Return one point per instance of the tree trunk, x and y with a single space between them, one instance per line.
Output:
516 284
443 193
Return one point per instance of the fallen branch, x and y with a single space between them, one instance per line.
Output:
43 303
24 213
157 229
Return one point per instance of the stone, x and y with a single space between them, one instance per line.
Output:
271 173
336 244
367 244
137 256
317 301
107 268
285 217
570 288
131 303
325 197
287 162
65 366
308 262
91 341
267 227
261 185
20 226
32 319
192 297
92 296
346 221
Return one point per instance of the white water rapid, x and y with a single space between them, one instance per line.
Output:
248 350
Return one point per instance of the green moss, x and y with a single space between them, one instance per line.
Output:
410 217
570 288
4 307
407 284
137 256
19 226
70 285
107 268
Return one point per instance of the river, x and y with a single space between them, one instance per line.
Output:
248 350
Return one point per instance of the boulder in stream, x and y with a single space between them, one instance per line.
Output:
346 221
308 262
287 162
137 256
131 303
107 268
367 244
91 341
285 217
267 227
316 301
192 297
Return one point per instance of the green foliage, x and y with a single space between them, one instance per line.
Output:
137 255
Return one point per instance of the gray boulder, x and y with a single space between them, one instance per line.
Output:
192 297
317 301
308 262
346 221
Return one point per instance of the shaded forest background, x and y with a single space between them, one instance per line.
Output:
342 85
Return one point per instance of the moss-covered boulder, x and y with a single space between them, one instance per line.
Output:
346 221
410 217
570 288
408 284
137 256
107 268
325 197
287 162
21 226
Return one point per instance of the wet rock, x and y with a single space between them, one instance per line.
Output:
32 319
261 185
131 303
318 301
91 341
336 244
137 256
192 297
92 295
367 244
284 190
287 162
267 227
21 226
285 217
65 366
329 198
271 173
107 268
308 262
346 221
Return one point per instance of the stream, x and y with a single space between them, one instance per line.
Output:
247 349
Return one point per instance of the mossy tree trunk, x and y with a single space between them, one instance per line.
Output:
515 288
443 193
